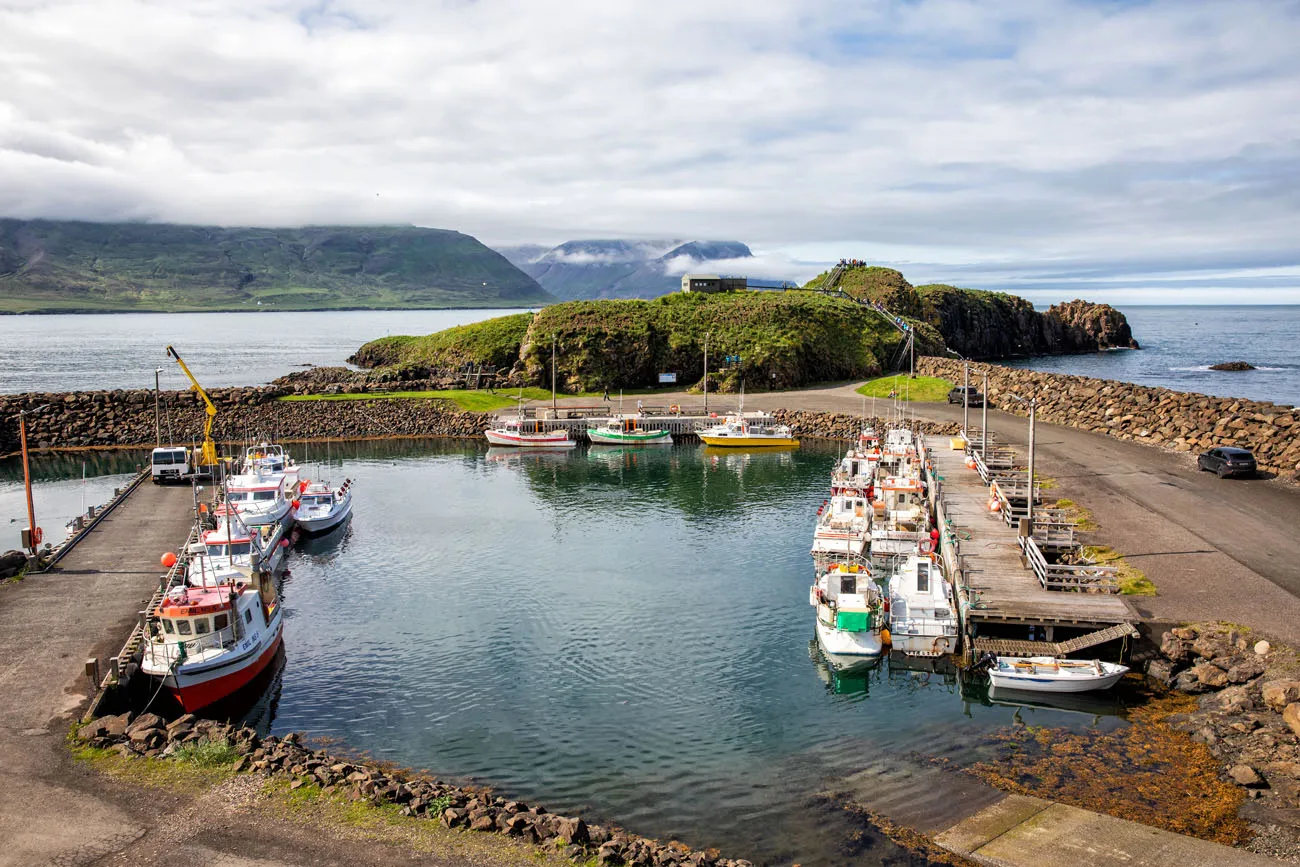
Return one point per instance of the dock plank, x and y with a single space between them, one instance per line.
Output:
998 586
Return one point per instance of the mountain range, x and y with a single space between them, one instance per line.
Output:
56 266
615 268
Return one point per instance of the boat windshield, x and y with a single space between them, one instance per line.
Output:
221 549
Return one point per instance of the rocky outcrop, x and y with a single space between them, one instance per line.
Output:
466 808
1233 365
1082 326
991 325
1175 420
1248 699
842 426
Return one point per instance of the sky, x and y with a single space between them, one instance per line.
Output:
1121 150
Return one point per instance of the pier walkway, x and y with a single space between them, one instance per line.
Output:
995 586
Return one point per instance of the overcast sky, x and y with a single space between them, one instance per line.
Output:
1106 146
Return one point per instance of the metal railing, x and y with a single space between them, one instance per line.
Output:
1083 578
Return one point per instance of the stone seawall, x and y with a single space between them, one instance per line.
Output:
1174 420
126 418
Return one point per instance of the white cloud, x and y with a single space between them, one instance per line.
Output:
1023 132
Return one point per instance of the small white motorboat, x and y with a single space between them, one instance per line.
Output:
320 508
843 527
522 433
1045 674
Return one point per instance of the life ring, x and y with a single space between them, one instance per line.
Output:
674 409
926 546
38 535
934 647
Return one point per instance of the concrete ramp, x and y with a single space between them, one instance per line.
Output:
1018 830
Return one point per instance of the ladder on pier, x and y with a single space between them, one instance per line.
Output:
1013 647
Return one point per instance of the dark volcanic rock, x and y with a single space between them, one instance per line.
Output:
1233 365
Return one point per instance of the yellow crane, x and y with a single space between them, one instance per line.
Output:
208 449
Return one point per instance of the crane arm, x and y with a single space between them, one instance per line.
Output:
208 456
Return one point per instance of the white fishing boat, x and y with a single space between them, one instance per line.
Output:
204 643
843 527
319 507
528 433
261 498
857 470
922 614
850 614
1045 674
232 544
626 430
748 430
267 458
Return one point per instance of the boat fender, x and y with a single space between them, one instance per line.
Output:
674 409
885 637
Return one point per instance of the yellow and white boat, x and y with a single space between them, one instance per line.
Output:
748 431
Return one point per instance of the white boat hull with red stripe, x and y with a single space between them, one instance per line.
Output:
520 439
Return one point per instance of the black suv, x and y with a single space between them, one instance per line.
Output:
1227 461
969 393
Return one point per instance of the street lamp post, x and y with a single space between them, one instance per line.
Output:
554 412
984 421
157 418
706 371
33 532
965 400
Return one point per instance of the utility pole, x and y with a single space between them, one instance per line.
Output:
1029 513
157 417
706 371
965 399
554 413
33 532
984 421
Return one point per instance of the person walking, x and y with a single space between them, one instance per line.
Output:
606 395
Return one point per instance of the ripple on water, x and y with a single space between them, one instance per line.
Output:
625 634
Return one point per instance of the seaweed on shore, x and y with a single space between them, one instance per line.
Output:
1145 772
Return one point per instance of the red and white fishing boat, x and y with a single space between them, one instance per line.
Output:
525 433
206 642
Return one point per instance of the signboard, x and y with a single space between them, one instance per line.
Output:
667 379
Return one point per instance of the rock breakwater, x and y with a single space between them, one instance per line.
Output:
842 426
469 808
1174 420
126 418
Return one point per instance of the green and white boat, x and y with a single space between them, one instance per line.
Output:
625 430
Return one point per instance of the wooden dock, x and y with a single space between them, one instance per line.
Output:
995 585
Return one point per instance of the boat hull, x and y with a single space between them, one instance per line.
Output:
197 690
1028 682
497 438
844 649
749 442
322 524
615 439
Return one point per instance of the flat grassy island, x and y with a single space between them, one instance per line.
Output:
782 340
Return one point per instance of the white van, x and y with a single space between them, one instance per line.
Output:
170 464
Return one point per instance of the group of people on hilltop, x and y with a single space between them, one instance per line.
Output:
852 263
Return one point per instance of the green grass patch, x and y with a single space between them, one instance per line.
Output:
1082 517
1132 581
925 389
204 753
468 399
158 773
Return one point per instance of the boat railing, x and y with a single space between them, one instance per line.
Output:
172 652
938 626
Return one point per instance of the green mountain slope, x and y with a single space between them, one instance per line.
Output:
56 266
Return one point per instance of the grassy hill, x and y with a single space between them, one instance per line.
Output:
59 266
800 337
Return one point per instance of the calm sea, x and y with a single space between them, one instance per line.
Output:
106 351
1180 343
620 632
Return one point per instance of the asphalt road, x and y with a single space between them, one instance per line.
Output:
1217 549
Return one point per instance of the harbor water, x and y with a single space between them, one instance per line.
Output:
620 632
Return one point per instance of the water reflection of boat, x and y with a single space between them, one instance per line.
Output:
328 544
255 704
520 457
976 690
855 679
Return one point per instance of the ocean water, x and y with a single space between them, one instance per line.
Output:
1180 343
624 633
107 351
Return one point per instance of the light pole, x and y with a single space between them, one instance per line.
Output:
965 399
1033 411
554 411
984 420
33 532
707 334
157 418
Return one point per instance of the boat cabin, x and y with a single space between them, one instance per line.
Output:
266 457
922 615
847 598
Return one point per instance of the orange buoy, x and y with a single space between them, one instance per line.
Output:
995 505
970 463
168 560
